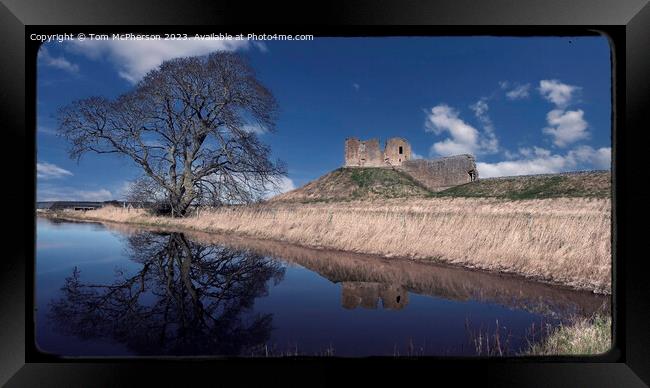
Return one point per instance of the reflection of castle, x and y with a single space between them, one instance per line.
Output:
366 295
421 278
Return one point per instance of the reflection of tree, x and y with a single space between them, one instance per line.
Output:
186 299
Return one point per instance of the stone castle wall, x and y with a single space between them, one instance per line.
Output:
435 174
368 153
363 153
351 151
439 174
397 151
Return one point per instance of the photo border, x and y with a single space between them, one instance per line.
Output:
627 365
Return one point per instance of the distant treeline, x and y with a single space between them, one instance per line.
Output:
59 205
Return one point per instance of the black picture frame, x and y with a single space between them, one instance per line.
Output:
626 23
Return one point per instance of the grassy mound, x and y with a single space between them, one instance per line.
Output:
346 184
595 184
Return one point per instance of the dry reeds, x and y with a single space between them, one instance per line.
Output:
582 336
560 240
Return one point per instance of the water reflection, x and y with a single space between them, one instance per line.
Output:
187 299
368 294
366 280
206 294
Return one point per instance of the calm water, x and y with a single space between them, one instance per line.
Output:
119 291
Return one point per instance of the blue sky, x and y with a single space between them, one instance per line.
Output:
521 105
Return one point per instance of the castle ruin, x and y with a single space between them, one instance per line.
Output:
368 153
435 174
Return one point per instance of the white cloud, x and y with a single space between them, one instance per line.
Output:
282 185
514 90
134 58
285 184
526 152
597 158
566 127
509 155
415 155
46 130
123 189
52 193
464 138
541 161
56 62
46 170
538 165
557 92
488 142
518 93
96 195
449 147
261 46
480 108
356 86
255 128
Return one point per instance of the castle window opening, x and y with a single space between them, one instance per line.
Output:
400 150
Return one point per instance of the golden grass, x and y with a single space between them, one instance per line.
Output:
419 277
584 336
559 240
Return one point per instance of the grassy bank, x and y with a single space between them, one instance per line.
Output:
589 184
583 336
349 184
561 240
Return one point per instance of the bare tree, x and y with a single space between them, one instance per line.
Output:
145 192
186 299
188 126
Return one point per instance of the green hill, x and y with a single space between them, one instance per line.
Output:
572 184
345 184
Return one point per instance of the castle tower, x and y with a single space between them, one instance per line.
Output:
363 153
396 151
352 145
